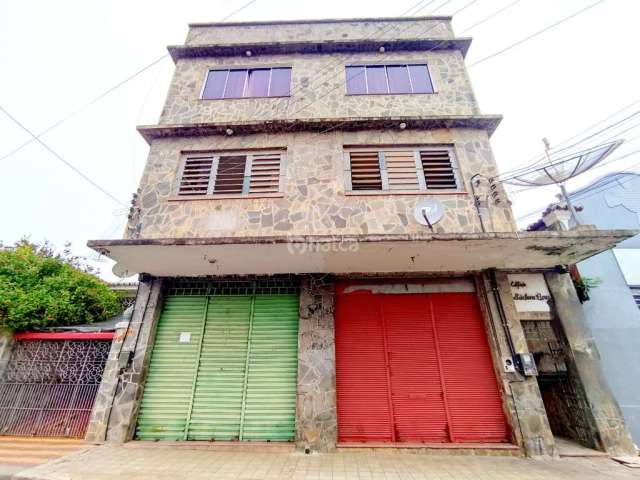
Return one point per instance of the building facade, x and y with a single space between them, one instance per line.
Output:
326 260
612 311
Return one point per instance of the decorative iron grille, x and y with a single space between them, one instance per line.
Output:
272 285
49 386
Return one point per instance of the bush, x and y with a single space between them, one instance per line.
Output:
41 288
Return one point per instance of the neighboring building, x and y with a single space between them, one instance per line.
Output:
324 258
613 310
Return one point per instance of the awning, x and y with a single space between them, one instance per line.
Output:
350 254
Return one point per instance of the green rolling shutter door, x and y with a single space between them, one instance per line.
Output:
245 356
217 402
167 393
270 404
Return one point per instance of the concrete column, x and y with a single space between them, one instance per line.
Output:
115 410
522 399
316 420
6 347
613 435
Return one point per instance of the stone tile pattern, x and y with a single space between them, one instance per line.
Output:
6 347
391 29
168 462
316 421
318 89
314 201
521 396
607 419
116 406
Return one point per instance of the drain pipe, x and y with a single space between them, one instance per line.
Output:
501 313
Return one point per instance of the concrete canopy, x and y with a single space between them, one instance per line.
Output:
352 254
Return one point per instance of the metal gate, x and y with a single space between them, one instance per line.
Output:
49 386
223 367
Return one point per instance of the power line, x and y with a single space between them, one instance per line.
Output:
489 17
106 92
608 182
55 154
84 107
533 35
603 164
335 70
527 163
510 174
382 62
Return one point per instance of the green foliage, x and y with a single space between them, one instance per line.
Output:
40 287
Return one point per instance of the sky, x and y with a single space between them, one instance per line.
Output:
56 57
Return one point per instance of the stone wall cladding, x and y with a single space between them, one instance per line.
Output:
314 202
607 421
115 409
316 420
318 87
523 402
301 31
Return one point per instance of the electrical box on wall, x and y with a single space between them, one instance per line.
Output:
526 364
508 365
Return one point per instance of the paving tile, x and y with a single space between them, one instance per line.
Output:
165 462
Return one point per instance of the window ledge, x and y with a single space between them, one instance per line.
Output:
181 198
359 193
203 99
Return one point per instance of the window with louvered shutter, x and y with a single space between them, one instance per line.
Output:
196 173
365 171
401 170
230 174
437 166
234 174
265 173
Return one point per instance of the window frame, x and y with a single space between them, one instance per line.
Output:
386 74
416 149
246 80
215 155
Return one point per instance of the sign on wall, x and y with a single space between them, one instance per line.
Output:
529 292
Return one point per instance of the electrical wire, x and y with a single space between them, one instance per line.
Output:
332 72
489 17
535 34
511 174
608 182
105 93
382 62
59 157
541 157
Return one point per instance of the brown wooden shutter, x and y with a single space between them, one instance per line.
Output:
438 169
230 174
401 170
196 172
265 173
365 171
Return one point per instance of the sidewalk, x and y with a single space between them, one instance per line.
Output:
160 462
21 453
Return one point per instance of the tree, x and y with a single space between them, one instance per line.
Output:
40 287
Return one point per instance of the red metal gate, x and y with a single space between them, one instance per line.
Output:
415 368
49 386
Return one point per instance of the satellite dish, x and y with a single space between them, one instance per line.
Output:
428 212
557 172
560 170
119 271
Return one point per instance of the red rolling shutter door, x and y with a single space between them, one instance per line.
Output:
416 392
423 357
363 394
473 398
